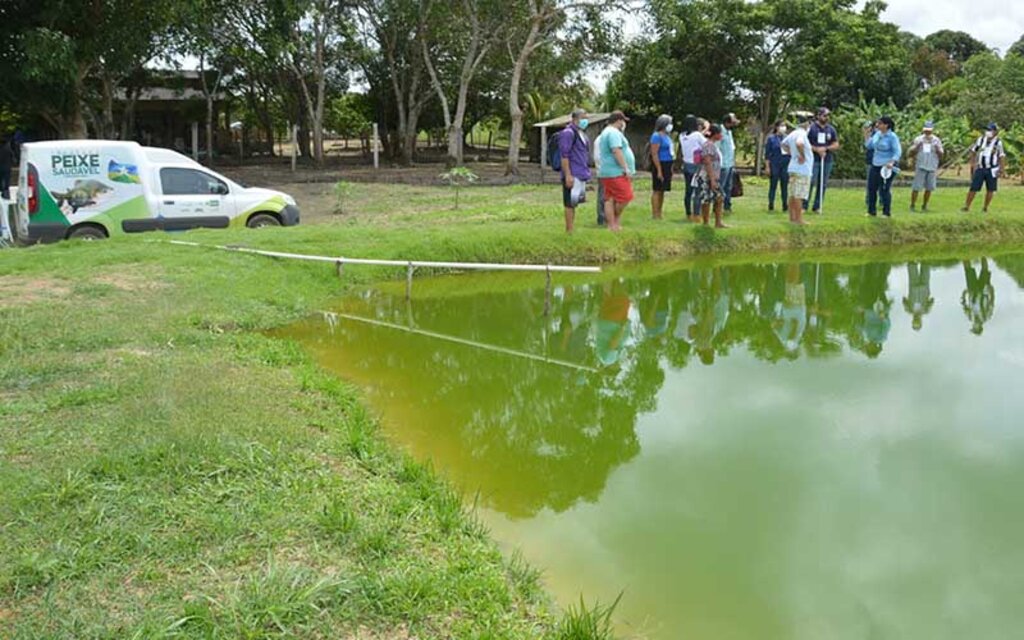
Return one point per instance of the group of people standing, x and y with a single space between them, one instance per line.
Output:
800 162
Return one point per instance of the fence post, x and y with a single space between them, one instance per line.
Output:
376 147
408 281
295 145
340 266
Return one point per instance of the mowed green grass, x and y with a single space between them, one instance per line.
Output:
168 470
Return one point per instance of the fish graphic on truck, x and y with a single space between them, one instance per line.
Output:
99 188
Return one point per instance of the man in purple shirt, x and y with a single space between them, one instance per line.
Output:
574 149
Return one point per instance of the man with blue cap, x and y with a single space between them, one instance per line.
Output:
926 151
987 156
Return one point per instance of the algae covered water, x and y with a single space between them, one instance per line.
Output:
795 450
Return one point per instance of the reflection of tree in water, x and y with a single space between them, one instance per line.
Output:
530 435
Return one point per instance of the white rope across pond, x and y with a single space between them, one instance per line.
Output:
482 266
410 265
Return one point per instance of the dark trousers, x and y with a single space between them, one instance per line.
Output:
816 181
600 204
780 177
879 189
725 182
5 183
692 196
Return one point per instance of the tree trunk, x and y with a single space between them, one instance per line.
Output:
209 130
107 85
515 111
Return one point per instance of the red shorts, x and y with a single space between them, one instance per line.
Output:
618 189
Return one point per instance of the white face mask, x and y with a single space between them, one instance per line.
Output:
668 129
783 130
990 134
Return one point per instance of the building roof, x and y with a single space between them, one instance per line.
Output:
561 121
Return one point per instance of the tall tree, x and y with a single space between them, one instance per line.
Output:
393 54
958 45
1017 48
478 25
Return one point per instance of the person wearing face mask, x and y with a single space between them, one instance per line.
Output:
824 142
661 160
617 167
987 155
927 154
689 149
884 164
727 149
574 147
778 164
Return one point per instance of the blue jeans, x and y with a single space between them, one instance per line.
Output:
879 189
725 184
692 196
780 177
816 181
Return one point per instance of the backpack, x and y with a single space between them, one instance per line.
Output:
555 151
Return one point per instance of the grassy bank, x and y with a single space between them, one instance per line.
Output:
168 471
524 223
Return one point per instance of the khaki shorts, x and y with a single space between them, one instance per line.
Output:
799 186
924 180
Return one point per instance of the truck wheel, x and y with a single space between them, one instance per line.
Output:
87 233
263 220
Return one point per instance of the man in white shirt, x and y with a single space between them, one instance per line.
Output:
987 156
801 166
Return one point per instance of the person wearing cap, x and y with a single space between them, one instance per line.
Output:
987 155
617 167
824 141
884 164
574 147
661 160
926 150
727 150
778 164
798 147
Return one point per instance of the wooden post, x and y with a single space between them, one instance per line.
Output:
295 145
543 151
339 266
408 282
547 293
376 147
195 141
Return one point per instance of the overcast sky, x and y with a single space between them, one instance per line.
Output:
997 23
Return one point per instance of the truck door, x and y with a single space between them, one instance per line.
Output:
193 198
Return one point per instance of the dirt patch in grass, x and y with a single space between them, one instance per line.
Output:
19 290
132 282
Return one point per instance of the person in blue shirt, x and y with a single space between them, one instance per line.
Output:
661 160
885 145
727 148
778 164
824 142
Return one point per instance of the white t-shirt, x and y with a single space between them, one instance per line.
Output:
690 144
790 144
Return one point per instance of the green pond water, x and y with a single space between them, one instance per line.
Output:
770 451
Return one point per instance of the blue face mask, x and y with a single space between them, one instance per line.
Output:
584 123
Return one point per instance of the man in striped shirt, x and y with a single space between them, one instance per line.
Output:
987 155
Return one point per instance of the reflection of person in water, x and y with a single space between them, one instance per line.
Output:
979 298
612 323
654 314
571 342
791 313
875 306
712 316
919 300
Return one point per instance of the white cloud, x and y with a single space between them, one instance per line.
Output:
997 23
